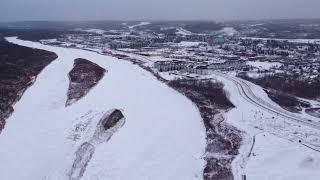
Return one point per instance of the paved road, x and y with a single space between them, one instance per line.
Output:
249 95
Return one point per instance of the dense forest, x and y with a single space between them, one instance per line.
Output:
288 84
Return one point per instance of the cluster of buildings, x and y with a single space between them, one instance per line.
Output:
204 53
131 45
200 68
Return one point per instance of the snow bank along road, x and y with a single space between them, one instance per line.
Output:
250 95
163 137
276 154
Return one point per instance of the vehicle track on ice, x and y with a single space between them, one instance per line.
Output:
107 126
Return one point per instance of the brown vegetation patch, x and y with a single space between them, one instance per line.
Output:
83 77
290 84
223 141
113 119
287 101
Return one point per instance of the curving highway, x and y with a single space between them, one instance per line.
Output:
248 94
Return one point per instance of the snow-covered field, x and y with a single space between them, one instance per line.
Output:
264 65
163 136
277 153
140 24
278 159
188 44
229 31
95 31
183 32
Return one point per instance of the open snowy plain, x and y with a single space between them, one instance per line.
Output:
163 136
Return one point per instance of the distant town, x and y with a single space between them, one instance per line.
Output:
184 52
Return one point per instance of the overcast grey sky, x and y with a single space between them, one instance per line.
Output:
13 10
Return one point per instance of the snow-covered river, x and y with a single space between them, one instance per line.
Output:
163 137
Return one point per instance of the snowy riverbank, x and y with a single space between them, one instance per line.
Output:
163 137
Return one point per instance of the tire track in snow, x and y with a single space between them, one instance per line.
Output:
107 126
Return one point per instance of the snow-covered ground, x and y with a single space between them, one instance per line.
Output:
264 65
183 31
277 153
188 44
163 136
140 24
229 31
95 31
278 159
